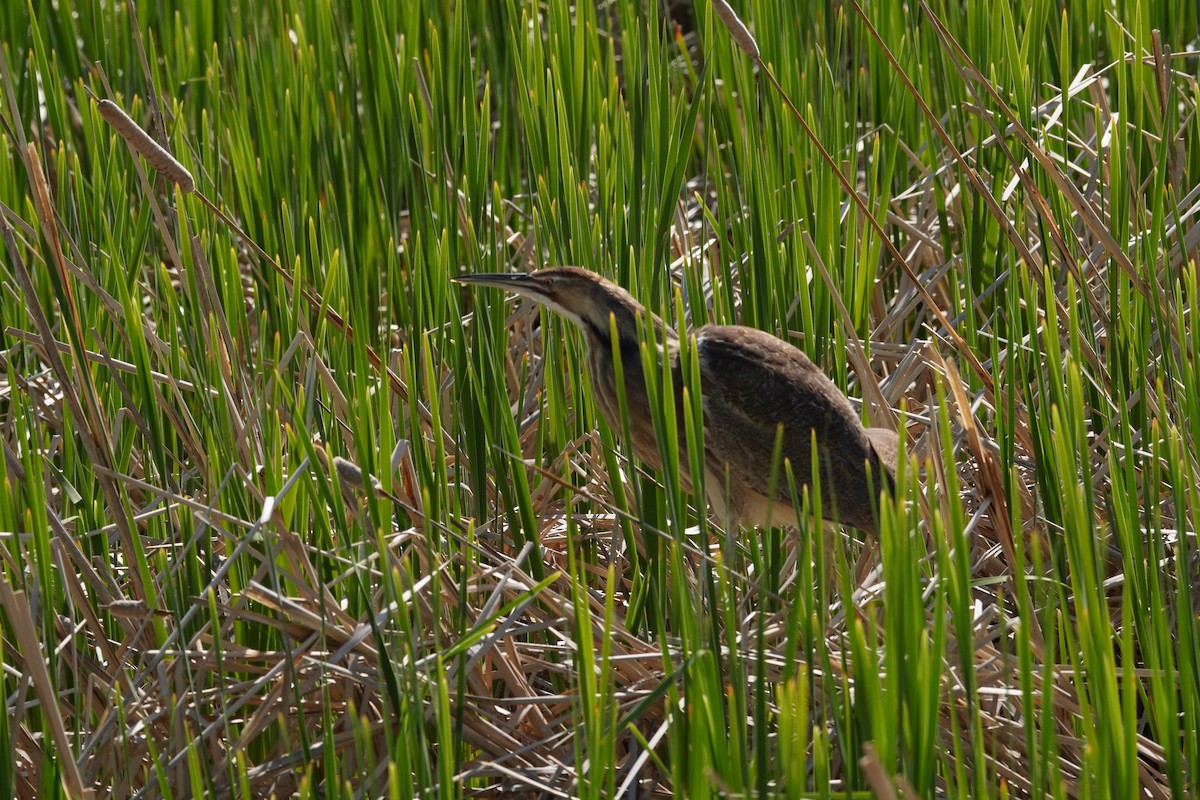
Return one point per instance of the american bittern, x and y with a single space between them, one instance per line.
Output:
751 383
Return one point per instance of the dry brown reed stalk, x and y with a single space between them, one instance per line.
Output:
152 151
169 167
876 773
744 40
25 631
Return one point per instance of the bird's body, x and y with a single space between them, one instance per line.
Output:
751 384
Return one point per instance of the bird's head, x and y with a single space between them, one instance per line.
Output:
583 297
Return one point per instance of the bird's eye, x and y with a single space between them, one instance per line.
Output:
548 283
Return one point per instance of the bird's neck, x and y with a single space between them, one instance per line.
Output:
600 331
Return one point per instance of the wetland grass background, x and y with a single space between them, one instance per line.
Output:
192 606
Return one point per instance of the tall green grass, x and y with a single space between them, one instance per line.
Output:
196 600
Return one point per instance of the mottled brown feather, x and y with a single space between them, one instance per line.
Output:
752 383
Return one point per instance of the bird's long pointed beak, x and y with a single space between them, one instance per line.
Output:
520 282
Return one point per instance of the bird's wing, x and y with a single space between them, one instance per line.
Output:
753 383
886 443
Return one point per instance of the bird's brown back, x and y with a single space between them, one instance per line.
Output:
755 383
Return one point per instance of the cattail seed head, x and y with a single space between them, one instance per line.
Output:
737 29
350 474
139 140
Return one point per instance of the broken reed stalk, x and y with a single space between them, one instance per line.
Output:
166 164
